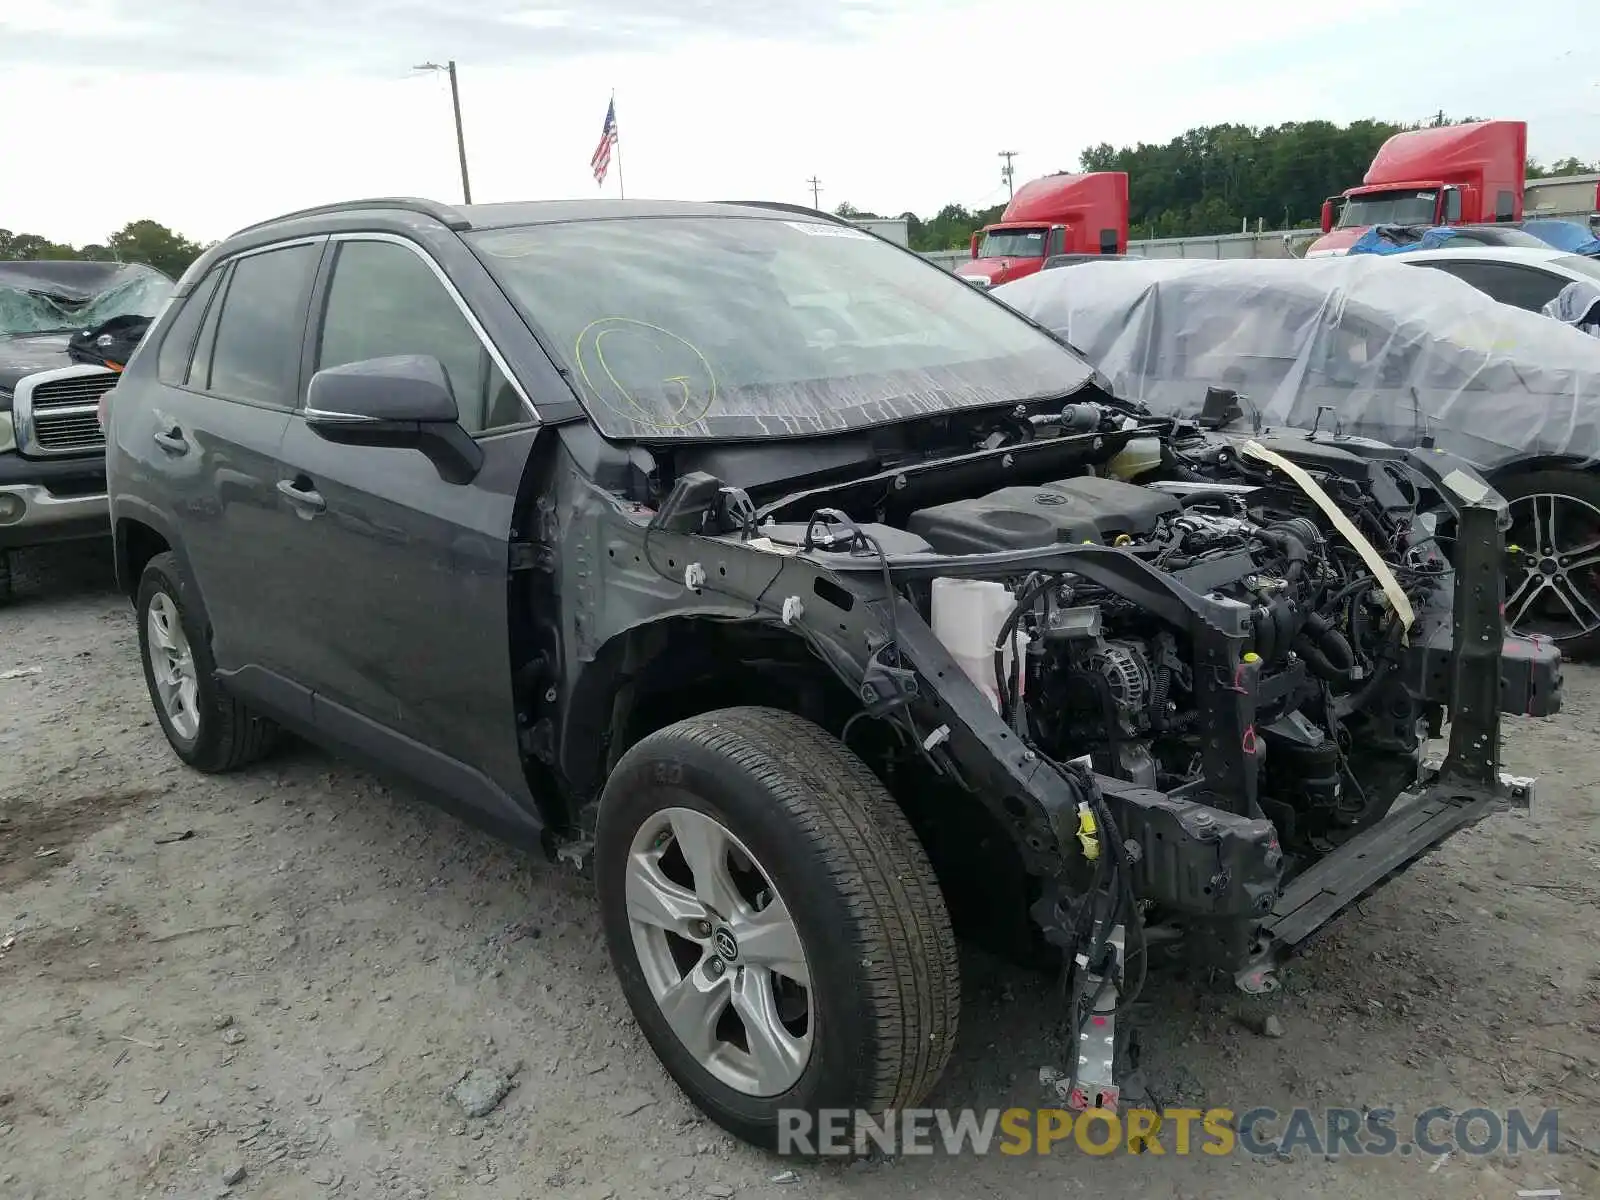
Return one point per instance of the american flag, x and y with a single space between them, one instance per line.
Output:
608 142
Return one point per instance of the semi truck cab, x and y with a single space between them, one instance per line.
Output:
1058 214
1449 175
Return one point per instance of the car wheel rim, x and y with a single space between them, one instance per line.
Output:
720 952
1556 593
172 666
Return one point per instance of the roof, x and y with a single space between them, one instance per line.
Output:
462 217
1510 254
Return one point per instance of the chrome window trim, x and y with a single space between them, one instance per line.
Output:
455 295
22 409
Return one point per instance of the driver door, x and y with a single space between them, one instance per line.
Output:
400 624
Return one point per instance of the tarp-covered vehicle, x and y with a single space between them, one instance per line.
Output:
1369 348
66 329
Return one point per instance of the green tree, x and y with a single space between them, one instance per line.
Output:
1562 166
136 242
154 244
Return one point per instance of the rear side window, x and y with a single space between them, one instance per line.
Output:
256 356
172 363
385 300
1522 287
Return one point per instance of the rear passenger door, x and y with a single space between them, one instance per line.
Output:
401 622
229 372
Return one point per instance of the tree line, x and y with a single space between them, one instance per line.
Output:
1218 179
146 242
1212 179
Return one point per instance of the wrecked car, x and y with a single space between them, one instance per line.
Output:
812 600
66 330
1364 346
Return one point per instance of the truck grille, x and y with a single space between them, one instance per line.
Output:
62 431
65 413
78 390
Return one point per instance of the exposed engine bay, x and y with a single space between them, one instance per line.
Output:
1190 675
1102 677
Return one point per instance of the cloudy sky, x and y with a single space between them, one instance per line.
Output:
209 114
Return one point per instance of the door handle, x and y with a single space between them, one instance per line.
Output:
172 440
307 501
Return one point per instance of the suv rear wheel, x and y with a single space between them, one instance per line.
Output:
775 924
209 729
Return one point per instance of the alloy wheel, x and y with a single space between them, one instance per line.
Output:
172 665
719 951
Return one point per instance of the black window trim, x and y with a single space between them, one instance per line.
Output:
218 302
319 313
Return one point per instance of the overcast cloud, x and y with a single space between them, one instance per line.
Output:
208 114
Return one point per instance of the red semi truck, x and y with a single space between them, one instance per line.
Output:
1059 214
1449 175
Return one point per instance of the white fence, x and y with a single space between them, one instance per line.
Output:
1276 244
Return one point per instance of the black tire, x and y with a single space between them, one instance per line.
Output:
885 983
5 576
1580 488
229 735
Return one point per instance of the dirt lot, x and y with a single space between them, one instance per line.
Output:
285 972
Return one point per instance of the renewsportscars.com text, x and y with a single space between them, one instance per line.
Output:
1216 1132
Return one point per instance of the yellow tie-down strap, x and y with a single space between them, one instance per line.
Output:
1380 569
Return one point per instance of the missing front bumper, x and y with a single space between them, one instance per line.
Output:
1418 825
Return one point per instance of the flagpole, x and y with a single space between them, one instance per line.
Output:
622 192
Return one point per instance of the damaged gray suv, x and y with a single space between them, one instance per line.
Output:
817 602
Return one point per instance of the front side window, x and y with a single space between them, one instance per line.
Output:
385 300
752 327
256 353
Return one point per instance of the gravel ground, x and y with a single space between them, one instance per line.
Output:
278 978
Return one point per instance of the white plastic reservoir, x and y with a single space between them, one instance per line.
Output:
968 615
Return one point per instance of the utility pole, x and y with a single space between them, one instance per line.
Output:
1008 170
816 191
455 103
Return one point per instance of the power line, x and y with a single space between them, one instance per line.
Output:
816 190
1007 171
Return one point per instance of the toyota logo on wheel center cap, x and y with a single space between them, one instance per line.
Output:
725 943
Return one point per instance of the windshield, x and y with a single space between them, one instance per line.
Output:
34 307
1389 208
1013 243
710 327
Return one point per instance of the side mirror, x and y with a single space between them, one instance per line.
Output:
404 402
1327 216
975 238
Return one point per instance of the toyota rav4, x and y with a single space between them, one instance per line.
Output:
816 602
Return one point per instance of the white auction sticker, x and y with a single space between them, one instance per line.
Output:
817 229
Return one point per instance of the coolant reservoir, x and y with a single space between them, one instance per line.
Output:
968 615
1141 454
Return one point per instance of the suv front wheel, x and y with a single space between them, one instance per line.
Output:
209 729
774 922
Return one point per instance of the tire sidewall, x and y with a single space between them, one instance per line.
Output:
678 774
159 577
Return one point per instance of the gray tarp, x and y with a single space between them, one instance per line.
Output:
1395 351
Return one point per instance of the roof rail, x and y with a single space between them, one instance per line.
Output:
780 206
451 218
